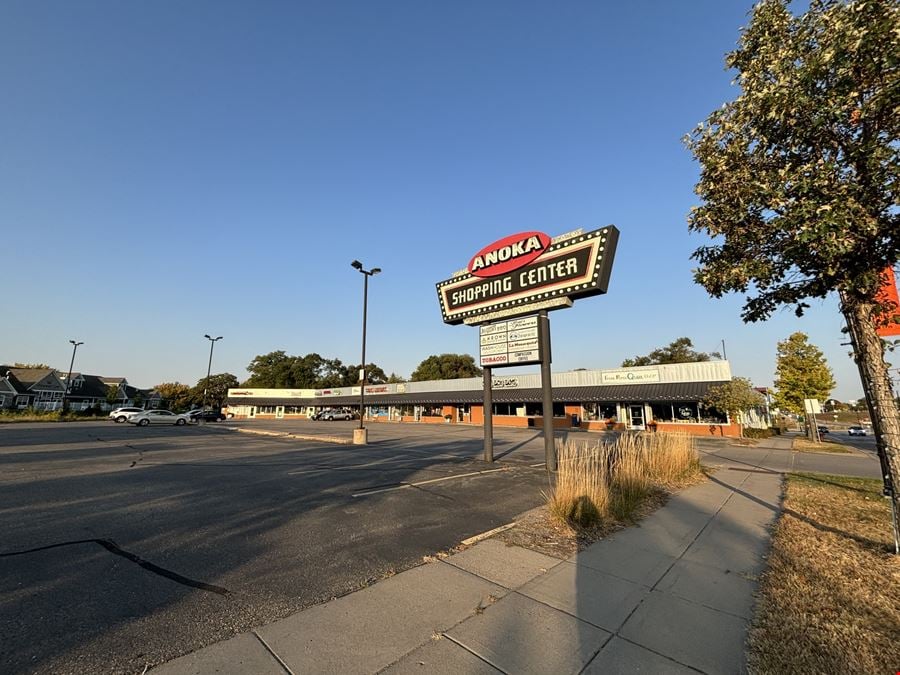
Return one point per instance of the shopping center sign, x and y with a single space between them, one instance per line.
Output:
526 272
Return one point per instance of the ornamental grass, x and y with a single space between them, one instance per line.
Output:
611 480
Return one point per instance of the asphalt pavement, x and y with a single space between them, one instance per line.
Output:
672 595
125 547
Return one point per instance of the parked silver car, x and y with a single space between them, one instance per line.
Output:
122 414
857 431
331 415
157 417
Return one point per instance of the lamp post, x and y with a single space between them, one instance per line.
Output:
359 436
68 388
212 343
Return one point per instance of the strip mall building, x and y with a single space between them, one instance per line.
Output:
662 397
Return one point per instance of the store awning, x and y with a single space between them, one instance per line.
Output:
612 393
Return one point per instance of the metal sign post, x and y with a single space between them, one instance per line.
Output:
547 390
488 417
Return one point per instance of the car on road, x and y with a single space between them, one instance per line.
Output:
120 415
857 431
823 429
206 415
331 415
158 417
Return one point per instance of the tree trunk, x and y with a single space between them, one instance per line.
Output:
869 352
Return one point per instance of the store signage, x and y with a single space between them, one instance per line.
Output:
629 376
508 254
508 343
505 382
272 393
514 274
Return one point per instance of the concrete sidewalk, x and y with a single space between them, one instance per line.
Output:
672 595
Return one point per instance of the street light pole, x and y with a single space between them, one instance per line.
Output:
360 436
212 343
69 376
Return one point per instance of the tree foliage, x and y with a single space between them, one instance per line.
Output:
278 370
374 375
217 391
734 397
175 395
678 351
35 366
800 176
446 367
801 372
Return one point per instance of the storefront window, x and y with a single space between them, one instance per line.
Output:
675 412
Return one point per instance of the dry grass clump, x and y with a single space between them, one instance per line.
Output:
581 494
804 445
829 601
612 480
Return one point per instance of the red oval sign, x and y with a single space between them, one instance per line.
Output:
508 254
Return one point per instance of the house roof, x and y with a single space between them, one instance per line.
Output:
23 379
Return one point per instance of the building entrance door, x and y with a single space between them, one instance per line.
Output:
279 412
636 412
252 412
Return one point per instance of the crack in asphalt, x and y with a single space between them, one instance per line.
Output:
113 548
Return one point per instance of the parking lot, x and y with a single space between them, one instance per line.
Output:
126 546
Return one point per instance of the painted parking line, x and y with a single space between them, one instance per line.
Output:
404 486
405 462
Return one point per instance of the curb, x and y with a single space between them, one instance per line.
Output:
300 437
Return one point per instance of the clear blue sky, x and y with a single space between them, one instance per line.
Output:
170 169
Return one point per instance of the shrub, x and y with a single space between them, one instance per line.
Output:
757 433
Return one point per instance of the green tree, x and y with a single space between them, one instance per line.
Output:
800 176
678 351
374 375
271 371
112 394
734 397
446 367
278 370
217 391
801 372
35 366
393 378
175 395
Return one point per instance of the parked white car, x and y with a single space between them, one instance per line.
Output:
122 414
157 417
857 431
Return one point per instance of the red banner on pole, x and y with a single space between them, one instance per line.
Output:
889 323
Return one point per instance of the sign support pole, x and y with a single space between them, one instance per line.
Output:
547 390
488 417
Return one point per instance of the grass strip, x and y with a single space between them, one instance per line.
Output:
829 601
804 445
